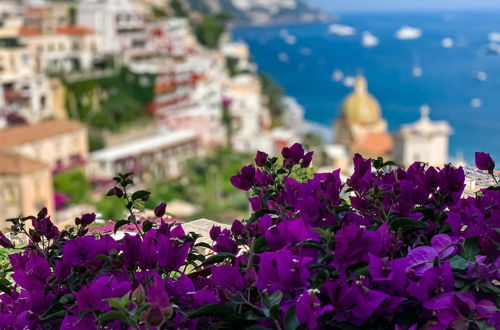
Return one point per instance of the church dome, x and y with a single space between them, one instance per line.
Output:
360 107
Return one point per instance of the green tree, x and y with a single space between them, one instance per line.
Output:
74 184
111 207
274 95
210 30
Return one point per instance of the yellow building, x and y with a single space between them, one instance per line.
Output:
25 187
360 126
60 143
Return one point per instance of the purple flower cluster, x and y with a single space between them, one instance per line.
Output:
388 249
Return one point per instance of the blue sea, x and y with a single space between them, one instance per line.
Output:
447 84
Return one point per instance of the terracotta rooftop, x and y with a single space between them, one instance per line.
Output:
28 133
74 30
16 164
377 144
28 31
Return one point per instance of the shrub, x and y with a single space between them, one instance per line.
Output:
403 251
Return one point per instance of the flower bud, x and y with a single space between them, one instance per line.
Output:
160 209
215 232
118 192
154 316
261 158
42 214
138 295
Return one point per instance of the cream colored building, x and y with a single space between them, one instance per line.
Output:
250 120
360 126
424 140
154 158
60 143
25 187
23 91
68 49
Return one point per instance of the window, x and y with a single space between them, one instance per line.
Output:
76 45
25 59
50 47
10 194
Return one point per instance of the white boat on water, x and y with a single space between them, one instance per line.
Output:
494 36
447 43
369 40
408 33
476 102
291 40
284 33
493 48
283 57
480 75
337 75
417 71
305 51
342 30
349 81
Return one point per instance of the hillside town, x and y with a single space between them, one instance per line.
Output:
90 89
96 88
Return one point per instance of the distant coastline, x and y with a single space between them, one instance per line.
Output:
447 84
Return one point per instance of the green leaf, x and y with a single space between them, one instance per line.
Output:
359 269
457 262
312 244
260 244
111 192
58 314
114 316
470 248
147 225
407 225
220 257
291 322
275 298
141 194
203 245
120 224
67 299
216 310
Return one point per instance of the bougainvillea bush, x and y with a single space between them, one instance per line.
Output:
387 249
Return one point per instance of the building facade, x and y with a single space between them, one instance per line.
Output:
61 144
360 126
25 187
155 158
424 140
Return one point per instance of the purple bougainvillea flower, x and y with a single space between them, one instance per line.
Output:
484 162
5 242
34 275
237 227
172 252
262 179
309 309
261 158
245 179
215 232
74 322
45 227
292 155
228 277
307 159
160 209
361 178
87 219
435 279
